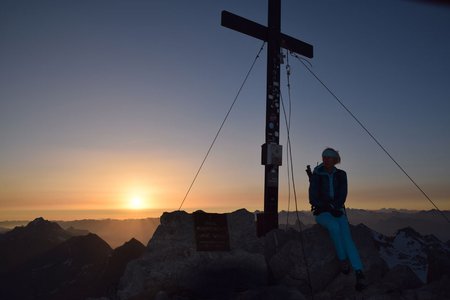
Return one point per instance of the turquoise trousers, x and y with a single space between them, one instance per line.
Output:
340 235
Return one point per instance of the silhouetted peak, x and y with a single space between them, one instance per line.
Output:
432 239
25 242
37 221
39 230
42 224
132 246
241 211
409 232
133 242
119 259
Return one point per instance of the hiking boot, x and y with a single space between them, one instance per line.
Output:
360 281
345 267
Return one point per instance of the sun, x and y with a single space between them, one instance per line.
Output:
136 202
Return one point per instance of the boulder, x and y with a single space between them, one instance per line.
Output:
242 228
374 266
286 252
392 286
172 265
341 287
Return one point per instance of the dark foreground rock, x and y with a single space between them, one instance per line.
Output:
288 263
172 264
45 262
71 270
21 244
285 264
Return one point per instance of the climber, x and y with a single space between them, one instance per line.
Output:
327 195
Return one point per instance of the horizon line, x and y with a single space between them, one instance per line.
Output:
161 212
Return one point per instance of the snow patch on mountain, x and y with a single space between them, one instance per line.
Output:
404 250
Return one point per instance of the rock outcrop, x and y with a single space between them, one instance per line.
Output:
173 266
285 264
288 264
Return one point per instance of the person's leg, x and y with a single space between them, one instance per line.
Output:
332 225
349 245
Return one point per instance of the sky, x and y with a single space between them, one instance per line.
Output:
107 108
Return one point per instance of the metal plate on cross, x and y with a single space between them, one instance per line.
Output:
211 231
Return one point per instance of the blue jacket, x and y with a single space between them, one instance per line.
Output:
328 188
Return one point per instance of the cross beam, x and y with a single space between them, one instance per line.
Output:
271 150
260 32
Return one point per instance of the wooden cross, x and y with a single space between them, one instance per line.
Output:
271 150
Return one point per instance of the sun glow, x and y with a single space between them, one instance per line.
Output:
138 197
136 202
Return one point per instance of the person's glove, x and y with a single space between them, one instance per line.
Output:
317 210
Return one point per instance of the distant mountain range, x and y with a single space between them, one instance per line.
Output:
3 229
386 221
43 261
114 232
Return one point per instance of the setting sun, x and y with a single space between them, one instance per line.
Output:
136 203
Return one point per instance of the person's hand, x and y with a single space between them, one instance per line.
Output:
317 210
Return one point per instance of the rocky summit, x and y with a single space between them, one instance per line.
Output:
173 266
285 264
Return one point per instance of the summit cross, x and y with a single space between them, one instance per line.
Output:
271 156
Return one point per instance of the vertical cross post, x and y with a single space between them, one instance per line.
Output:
271 150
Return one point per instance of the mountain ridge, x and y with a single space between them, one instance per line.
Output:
78 267
385 220
22 243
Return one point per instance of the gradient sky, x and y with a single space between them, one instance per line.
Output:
102 101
